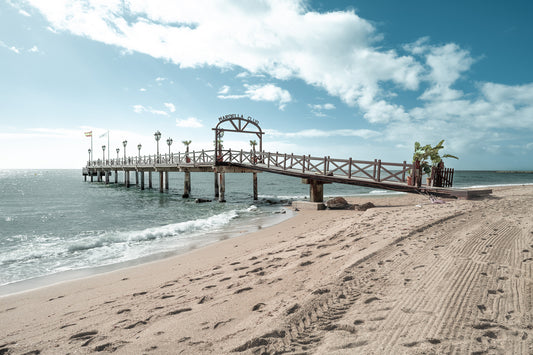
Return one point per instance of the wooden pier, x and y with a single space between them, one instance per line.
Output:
315 171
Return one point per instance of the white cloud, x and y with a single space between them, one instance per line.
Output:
34 49
338 52
24 13
190 122
170 106
141 109
142 89
138 108
317 109
224 90
283 39
267 92
316 133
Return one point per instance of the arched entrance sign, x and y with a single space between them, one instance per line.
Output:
239 124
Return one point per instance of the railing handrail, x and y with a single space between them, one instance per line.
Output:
376 170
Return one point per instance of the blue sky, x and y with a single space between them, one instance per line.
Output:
361 79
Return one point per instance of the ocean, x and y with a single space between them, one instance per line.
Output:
54 226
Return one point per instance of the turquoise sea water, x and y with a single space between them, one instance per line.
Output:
52 222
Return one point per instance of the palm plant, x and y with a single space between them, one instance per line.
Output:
186 143
426 154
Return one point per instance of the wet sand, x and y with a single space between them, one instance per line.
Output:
407 276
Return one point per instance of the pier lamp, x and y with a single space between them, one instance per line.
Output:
103 156
139 146
157 136
124 143
89 155
169 142
118 150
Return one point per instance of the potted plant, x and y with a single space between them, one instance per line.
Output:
253 157
187 143
429 157
219 146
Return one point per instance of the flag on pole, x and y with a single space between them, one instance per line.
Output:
89 134
104 134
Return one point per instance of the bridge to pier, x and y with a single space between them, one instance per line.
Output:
312 170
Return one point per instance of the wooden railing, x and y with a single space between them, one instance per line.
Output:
375 170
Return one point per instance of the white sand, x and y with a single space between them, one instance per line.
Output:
453 277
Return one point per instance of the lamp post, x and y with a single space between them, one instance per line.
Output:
124 143
118 150
103 154
89 156
169 142
157 136
139 146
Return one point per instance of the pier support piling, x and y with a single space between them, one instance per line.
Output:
107 173
142 180
136 178
149 179
187 184
316 189
255 185
116 176
221 187
166 180
127 178
216 184
160 181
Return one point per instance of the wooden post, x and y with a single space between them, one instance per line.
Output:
350 169
149 179
116 176
142 180
379 170
160 181
166 180
221 187
127 177
374 173
316 191
404 167
91 173
255 185
136 178
216 184
187 185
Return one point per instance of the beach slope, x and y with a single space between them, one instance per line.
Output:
406 276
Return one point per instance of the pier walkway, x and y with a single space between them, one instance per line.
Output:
315 171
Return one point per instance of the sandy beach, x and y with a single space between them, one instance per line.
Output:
408 276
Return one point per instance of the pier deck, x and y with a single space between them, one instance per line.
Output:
315 171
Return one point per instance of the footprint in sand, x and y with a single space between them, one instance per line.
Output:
258 307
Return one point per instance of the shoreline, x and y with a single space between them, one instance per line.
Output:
36 283
238 229
334 281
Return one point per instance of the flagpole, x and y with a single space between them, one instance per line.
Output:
108 147
91 147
